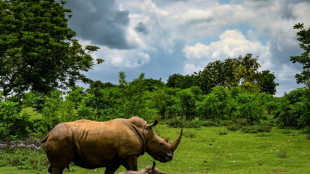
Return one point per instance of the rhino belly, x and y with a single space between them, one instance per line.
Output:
89 164
93 155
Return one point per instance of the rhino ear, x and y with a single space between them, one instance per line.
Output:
150 126
155 123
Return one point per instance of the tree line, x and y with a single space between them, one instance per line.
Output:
151 99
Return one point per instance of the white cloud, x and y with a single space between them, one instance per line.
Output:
197 51
121 59
190 68
286 76
118 58
301 10
287 73
231 44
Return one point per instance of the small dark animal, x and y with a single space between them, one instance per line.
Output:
147 170
91 144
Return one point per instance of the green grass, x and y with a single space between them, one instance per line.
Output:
217 150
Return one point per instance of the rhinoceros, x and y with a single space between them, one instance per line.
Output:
147 170
92 144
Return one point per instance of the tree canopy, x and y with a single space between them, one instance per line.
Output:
303 36
229 73
37 48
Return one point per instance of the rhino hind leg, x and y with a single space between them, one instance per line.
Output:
49 168
59 163
59 149
57 169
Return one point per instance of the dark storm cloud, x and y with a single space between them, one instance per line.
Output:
101 22
141 28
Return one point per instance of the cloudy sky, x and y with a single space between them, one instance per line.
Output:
164 37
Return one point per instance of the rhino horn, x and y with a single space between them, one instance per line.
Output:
176 142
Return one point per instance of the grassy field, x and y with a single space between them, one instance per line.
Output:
216 150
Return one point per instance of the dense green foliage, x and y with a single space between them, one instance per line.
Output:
304 59
236 107
37 49
293 109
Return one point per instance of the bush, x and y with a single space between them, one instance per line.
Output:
11 124
244 126
306 130
38 128
187 103
190 134
177 122
257 128
248 108
20 126
208 123
293 109
234 127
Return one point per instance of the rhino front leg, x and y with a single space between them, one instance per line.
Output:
111 169
57 170
131 163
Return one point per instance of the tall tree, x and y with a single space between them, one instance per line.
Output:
37 49
229 73
246 70
303 36
266 82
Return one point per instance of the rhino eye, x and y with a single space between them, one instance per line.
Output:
161 143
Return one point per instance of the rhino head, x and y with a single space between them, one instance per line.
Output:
160 149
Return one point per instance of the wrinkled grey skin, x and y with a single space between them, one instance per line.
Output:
147 170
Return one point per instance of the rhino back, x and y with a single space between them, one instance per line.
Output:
99 144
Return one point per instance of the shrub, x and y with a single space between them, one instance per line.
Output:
293 110
223 133
187 103
208 107
244 126
208 123
11 124
189 134
248 108
177 122
257 128
234 127
306 130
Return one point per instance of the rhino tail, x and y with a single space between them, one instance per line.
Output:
45 138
